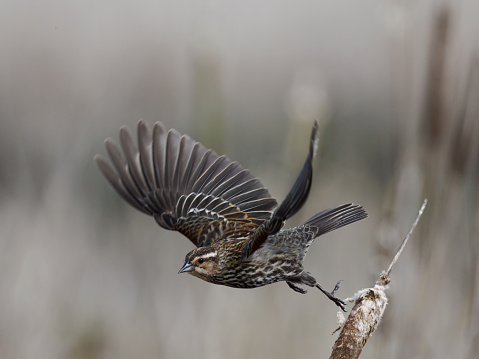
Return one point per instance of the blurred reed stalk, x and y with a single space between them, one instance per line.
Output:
208 99
463 169
450 146
442 164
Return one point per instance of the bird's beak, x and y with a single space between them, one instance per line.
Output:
187 267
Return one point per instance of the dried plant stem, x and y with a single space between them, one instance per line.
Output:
403 244
368 310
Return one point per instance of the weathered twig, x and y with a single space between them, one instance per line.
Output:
368 310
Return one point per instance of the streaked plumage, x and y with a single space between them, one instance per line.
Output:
221 208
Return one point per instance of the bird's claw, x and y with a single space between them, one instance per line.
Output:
296 288
340 303
336 287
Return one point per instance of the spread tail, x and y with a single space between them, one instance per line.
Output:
334 218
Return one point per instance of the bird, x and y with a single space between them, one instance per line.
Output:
222 208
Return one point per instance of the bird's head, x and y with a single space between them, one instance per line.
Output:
203 263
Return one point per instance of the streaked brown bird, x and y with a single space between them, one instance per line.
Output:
221 208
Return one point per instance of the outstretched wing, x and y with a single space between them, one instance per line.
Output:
183 185
291 204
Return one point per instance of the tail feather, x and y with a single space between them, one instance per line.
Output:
334 218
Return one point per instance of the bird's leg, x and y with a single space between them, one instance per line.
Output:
331 296
307 279
296 288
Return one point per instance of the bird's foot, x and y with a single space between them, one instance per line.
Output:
340 303
296 288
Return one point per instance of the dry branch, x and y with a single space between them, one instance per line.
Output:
368 310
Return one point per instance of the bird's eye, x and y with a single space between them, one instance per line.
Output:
201 260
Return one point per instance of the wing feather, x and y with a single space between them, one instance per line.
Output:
184 185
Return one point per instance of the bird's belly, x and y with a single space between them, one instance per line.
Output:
255 273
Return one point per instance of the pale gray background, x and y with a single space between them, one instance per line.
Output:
83 275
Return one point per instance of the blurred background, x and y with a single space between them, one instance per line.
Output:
395 86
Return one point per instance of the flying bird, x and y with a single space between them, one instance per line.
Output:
222 208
